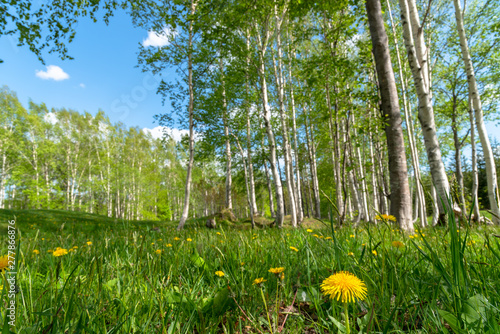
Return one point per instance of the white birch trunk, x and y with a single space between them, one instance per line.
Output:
187 189
491 175
418 64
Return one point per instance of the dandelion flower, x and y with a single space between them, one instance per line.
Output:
189 239
89 243
218 233
36 251
385 217
177 239
158 251
277 271
4 263
294 249
350 254
344 286
168 245
60 252
398 244
374 252
219 273
309 230
258 281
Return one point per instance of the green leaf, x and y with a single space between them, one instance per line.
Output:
474 308
451 320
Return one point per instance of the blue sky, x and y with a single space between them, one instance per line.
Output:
102 75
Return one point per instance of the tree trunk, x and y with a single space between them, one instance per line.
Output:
398 174
187 189
280 210
253 202
417 57
421 213
491 174
225 115
278 72
475 200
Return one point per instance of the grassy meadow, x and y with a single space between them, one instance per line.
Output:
145 277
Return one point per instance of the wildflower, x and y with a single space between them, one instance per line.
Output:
4 263
350 254
50 251
168 245
410 236
294 249
189 239
242 263
385 217
352 236
218 233
89 243
277 271
36 251
309 230
219 273
374 252
60 252
398 244
328 238
177 239
158 251
315 235
258 281
282 276
344 286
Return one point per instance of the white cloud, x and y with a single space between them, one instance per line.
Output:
51 118
53 72
82 85
159 39
157 132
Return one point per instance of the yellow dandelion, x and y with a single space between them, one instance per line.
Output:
168 245
344 286
374 252
277 271
158 251
352 236
309 230
294 249
4 263
258 281
218 233
315 235
397 244
282 276
50 251
385 217
189 239
242 263
60 252
410 236
89 243
328 238
219 273
36 251
350 254
177 239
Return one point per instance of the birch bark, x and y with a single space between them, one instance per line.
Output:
491 175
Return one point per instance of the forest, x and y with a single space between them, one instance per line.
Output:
338 171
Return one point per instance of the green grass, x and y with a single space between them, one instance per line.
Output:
439 282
